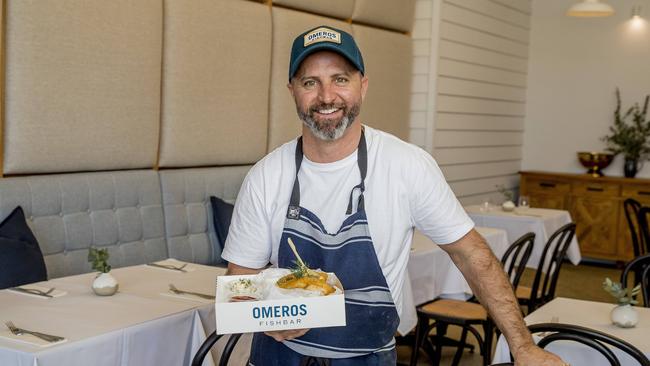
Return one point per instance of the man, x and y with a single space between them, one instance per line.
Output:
349 196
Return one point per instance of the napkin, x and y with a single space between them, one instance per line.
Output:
28 339
55 293
174 263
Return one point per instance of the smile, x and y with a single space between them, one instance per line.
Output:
328 111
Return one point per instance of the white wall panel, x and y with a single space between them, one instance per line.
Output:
470 88
458 121
483 185
484 23
523 6
467 71
465 35
479 106
463 155
477 138
460 52
480 170
496 10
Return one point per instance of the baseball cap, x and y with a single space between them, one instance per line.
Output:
324 38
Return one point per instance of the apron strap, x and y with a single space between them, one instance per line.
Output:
362 161
293 212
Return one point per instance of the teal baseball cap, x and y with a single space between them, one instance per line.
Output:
324 38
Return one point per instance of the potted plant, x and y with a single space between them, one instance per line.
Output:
623 315
631 138
104 284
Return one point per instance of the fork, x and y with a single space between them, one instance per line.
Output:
34 291
169 266
175 290
19 331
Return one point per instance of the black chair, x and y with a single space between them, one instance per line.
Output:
446 312
632 208
644 237
597 340
641 268
207 345
548 270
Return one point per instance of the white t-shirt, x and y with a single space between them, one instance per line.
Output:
404 189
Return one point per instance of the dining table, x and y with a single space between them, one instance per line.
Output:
144 323
543 222
590 314
432 274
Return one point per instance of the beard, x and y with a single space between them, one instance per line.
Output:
329 129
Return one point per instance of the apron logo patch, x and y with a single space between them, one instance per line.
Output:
322 35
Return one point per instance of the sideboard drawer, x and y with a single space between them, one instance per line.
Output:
638 191
538 185
596 189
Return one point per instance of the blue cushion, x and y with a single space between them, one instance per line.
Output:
221 215
21 260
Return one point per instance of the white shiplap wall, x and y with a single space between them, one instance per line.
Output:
469 111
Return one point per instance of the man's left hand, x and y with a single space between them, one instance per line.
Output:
286 335
535 356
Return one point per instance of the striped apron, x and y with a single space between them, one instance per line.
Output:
371 316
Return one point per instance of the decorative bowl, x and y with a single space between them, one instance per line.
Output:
595 161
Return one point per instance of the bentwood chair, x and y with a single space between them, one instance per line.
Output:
466 314
644 236
599 341
641 268
632 208
207 345
548 270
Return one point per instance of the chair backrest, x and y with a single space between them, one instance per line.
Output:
516 257
550 263
597 340
632 207
644 235
207 345
641 268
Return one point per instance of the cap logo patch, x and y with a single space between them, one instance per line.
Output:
322 35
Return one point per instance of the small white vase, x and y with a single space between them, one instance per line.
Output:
624 316
508 206
105 284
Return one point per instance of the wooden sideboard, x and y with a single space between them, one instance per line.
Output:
595 204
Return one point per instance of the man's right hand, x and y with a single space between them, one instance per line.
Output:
286 335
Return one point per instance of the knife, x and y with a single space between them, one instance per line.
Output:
166 266
32 291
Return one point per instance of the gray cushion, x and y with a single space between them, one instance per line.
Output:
188 215
69 213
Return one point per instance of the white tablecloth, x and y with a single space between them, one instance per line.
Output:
541 221
432 274
590 314
137 326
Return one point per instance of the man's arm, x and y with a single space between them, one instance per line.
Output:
491 286
234 269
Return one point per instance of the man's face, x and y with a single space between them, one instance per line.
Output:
328 92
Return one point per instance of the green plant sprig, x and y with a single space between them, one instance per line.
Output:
630 138
300 269
623 295
98 259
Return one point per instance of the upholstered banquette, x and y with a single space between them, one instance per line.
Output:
121 118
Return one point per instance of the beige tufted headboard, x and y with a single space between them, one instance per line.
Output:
158 85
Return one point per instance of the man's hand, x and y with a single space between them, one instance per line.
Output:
286 335
535 356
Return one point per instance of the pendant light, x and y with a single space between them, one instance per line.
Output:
590 8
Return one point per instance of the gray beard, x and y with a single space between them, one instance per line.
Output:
322 130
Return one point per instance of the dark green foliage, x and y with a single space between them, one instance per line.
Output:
99 260
630 137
